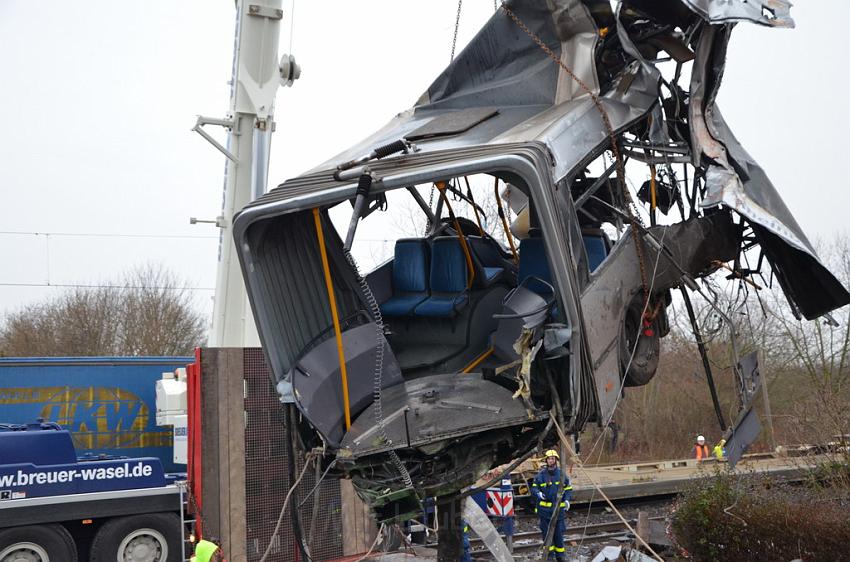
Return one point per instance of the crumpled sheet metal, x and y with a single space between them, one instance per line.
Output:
483 527
773 13
503 69
734 179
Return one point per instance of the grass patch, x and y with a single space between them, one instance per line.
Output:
722 518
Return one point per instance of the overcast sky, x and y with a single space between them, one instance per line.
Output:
99 98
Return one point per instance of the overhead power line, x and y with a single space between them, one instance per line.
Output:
80 286
103 235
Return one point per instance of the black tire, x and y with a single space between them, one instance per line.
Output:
47 543
155 533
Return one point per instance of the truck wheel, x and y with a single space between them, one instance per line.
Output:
152 537
44 543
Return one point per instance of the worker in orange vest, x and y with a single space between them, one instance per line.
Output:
700 451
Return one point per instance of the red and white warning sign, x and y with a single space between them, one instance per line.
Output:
500 503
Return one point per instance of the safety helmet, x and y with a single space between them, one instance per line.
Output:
700 439
552 453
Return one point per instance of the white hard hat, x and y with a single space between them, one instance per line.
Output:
700 439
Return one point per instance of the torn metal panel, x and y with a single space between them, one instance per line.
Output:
693 246
745 431
483 527
433 409
735 179
750 375
773 13
508 68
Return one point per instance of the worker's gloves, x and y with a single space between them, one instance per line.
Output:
540 495
566 505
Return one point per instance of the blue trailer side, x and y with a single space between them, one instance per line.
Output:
107 403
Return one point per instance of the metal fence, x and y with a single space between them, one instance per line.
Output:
268 478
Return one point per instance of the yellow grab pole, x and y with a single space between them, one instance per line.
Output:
478 360
337 331
652 188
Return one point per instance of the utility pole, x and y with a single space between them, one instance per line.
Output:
256 75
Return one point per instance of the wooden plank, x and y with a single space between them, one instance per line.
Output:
234 420
210 477
223 360
358 526
350 539
223 450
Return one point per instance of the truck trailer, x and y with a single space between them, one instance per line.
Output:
108 404
101 479
56 506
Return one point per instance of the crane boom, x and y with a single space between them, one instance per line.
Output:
256 76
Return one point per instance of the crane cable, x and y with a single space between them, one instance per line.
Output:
457 26
615 151
577 462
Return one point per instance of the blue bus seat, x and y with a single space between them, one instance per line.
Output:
533 263
448 278
596 249
410 277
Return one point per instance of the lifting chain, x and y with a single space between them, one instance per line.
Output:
649 314
457 26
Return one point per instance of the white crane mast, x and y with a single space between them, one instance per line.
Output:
257 74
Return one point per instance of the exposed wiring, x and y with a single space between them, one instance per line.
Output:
620 392
315 515
375 309
319 481
374 544
609 128
577 462
307 462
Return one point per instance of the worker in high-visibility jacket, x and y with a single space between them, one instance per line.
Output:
545 490
207 551
700 450
720 450
467 555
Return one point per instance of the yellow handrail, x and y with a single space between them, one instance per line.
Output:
477 361
334 315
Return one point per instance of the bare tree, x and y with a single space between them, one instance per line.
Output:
806 365
149 312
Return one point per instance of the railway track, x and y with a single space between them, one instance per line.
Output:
530 540
525 540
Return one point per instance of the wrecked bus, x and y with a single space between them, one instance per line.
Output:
465 348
